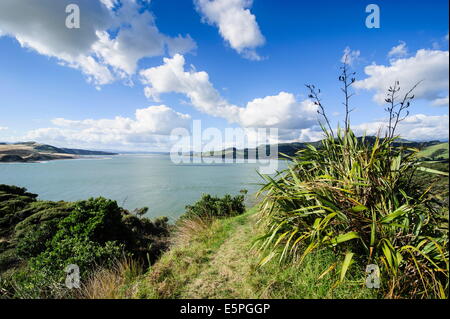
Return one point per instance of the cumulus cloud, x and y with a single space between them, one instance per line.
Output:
171 77
151 125
237 25
138 37
398 51
282 111
103 56
419 127
39 25
429 66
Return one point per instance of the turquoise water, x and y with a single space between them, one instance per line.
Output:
132 180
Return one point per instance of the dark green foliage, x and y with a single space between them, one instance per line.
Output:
211 206
8 257
41 238
140 211
12 200
81 251
95 219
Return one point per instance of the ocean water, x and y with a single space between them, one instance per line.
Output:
134 181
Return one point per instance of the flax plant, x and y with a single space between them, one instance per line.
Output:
356 196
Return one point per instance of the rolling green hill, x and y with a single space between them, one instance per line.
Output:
435 152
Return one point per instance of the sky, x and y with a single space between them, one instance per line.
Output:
135 70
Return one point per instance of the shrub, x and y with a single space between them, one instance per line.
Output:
215 207
84 253
12 200
358 199
45 237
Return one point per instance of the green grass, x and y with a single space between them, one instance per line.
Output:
435 152
219 262
171 276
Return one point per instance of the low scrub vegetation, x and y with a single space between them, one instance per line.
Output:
40 239
195 239
210 207
111 246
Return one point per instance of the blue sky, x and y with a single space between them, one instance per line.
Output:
228 63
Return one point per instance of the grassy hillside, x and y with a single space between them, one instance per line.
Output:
435 152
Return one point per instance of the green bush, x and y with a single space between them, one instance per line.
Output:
215 207
43 238
12 200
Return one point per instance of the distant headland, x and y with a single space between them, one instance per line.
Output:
35 152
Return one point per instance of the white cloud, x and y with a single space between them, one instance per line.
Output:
441 101
40 25
109 3
237 25
151 125
138 37
3 128
439 43
398 51
282 111
429 66
171 77
419 127
350 56
96 73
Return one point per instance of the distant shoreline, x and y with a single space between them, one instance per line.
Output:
32 152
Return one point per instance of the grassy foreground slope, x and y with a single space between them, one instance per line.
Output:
217 261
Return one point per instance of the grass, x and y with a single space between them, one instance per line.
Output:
177 269
219 261
114 282
310 280
435 152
